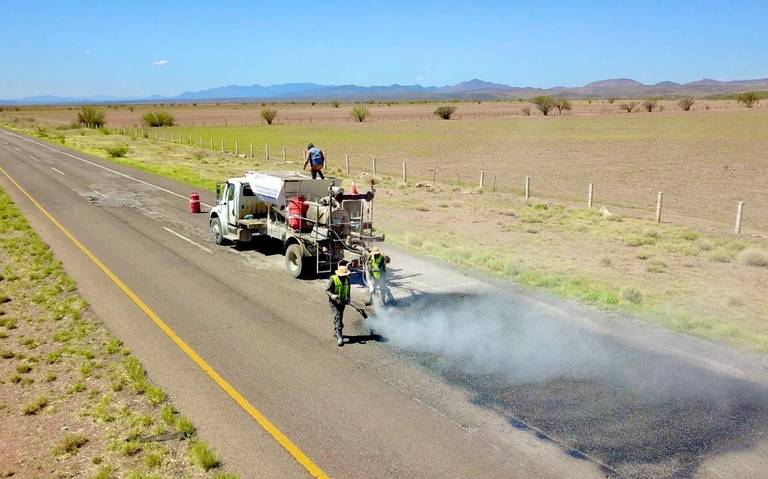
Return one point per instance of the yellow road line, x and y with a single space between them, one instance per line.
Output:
265 423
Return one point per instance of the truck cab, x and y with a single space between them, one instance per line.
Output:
239 214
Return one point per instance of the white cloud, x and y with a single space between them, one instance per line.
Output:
87 52
159 63
419 78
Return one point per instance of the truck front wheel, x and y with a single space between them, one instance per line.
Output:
218 234
294 261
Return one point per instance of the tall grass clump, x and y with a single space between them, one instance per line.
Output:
269 115
445 112
158 118
360 113
202 455
91 117
753 257
116 151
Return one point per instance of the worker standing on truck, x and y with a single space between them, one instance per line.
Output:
316 159
338 291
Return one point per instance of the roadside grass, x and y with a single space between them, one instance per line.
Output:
678 276
60 366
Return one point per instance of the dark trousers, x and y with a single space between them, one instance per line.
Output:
337 314
318 172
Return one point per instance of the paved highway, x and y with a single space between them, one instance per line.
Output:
277 398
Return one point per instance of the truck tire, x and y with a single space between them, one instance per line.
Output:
294 261
216 231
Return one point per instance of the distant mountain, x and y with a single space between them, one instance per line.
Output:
472 89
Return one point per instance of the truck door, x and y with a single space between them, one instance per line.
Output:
229 202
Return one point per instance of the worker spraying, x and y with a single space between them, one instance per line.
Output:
376 272
338 293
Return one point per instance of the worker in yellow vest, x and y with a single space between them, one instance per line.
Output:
338 292
377 269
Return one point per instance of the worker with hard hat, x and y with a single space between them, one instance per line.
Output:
338 292
377 269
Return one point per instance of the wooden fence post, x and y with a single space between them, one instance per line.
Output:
494 183
482 180
527 187
285 158
373 166
589 196
405 173
237 150
266 152
190 140
251 150
222 145
739 211
346 162
659 199
201 142
211 144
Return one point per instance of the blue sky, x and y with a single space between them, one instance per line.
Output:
138 48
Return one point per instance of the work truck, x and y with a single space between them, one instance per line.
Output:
318 225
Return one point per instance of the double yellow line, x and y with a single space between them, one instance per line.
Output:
265 423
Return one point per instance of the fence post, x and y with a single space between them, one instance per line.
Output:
222 145
211 144
527 187
434 176
405 173
494 183
266 152
373 166
190 140
589 196
739 211
285 158
458 180
659 198
237 150
346 162
482 180
251 145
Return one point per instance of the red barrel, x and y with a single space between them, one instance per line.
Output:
194 203
297 209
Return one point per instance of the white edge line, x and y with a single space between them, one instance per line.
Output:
33 158
188 240
57 171
103 167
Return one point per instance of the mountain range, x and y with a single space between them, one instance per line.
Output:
472 89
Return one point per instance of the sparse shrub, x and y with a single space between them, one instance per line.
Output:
158 118
656 265
611 101
269 115
544 103
689 235
721 255
42 132
704 245
686 103
360 113
445 112
650 104
562 104
748 99
35 406
632 295
638 240
203 455
185 426
70 443
105 131
526 111
91 117
606 261
753 257
116 151
337 104
628 107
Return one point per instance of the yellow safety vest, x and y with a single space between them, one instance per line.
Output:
376 263
342 287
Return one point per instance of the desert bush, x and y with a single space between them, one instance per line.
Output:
544 103
749 99
158 118
269 115
650 104
445 112
686 103
116 151
42 132
753 257
360 113
91 117
628 107
611 101
562 104
526 111
633 295
337 104
721 255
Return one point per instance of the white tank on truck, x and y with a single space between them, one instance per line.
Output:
318 224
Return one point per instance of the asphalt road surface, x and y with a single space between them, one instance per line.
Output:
460 378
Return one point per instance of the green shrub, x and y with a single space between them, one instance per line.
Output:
35 406
722 255
185 426
650 104
544 103
203 456
638 240
562 104
70 443
445 112
116 151
632 295
336 103
269 115
91 117
748 99
360 113
689 235
158 118
686 103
